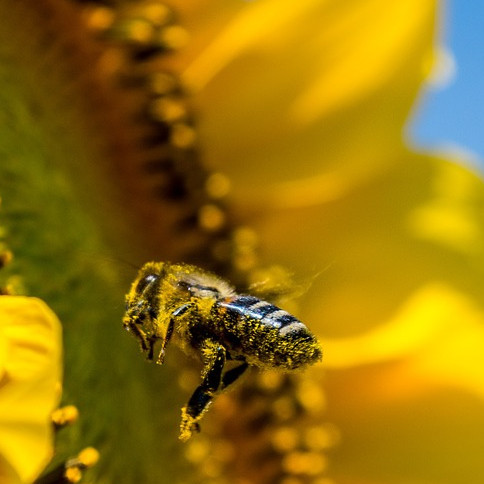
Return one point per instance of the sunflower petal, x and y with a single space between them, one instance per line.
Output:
309 102
31 371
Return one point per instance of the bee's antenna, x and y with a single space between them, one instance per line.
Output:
110 257
116 258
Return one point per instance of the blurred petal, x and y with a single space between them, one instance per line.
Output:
308 101
419 414
31 371
440 333
399 427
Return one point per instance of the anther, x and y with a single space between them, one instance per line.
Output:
211 217
217 185
99 18
182 136
65 416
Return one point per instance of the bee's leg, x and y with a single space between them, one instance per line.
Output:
233 374
213 356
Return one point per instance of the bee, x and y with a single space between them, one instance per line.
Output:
204 315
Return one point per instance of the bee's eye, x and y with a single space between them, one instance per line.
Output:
145 281
184 285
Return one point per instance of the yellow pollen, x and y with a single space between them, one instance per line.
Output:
244 262
88 457
283 408
211 217
245 236
162 83
167 109
217 185
139 31
182 136
157 13
309 463
197 451
311 396
174 37
73 474
270 380
65 415
285 439
320 437
99 18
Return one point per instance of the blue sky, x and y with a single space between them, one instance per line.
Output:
454 114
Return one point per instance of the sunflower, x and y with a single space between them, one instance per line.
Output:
257 139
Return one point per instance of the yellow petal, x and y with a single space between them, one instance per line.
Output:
30 338
314 93
439 330
419 414
425 432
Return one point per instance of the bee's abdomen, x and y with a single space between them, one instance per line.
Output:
266 313
273 336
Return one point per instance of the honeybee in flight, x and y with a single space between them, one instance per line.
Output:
203 314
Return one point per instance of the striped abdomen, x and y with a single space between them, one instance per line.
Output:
267 335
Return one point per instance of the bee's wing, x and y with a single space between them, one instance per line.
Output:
276 283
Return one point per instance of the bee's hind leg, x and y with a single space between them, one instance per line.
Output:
213 356
231 375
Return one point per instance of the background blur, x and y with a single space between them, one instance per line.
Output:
451 114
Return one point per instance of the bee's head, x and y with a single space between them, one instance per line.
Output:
142 310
